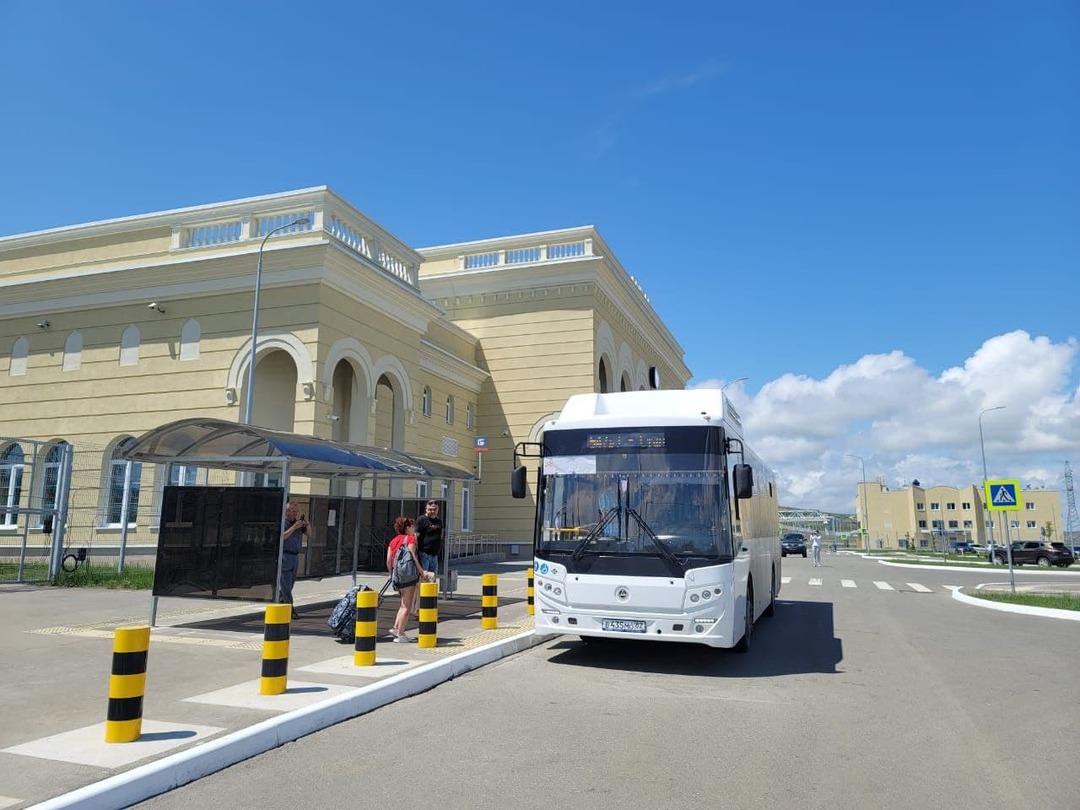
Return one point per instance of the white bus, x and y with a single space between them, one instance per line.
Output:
654 520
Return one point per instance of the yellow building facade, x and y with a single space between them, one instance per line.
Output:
922 517
112 328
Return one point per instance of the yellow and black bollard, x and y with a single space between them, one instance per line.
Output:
275 660
489 602
531 609
127 684
427 634
367 609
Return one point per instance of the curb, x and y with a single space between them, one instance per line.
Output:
1050 613
153 778
996 569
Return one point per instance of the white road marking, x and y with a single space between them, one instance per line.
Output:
884 586
816 581
915 586
785 580
848 583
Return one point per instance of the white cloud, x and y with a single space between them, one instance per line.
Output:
908 424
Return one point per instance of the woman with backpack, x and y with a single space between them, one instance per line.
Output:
403 563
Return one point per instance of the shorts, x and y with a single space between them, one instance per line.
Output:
430 562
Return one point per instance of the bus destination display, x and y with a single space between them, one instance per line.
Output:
649 440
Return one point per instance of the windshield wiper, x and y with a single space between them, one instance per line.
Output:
665 552
605 519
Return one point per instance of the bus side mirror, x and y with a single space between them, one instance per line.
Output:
744 481
517 482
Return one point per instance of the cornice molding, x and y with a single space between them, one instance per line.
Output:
436 360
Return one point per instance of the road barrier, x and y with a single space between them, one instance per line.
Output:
427 634
530 610
367 627
275 658
489 602
131 646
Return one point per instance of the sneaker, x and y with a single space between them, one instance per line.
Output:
403 639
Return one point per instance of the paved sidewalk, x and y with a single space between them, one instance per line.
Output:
203 671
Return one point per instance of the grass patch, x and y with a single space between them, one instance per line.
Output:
1061 601
135 576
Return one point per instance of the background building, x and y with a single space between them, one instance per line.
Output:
927 516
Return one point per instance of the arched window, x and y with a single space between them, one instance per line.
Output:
50 484
11 472
602 373
425 403
123 476
450 410
190 335
129 346
19 352
470 416
72 352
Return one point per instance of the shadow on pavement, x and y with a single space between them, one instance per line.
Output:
311 617
799 639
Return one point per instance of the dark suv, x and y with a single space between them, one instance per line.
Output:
1038 552
793 543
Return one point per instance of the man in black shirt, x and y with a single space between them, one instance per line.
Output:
429 537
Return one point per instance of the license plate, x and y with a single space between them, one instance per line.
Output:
623 625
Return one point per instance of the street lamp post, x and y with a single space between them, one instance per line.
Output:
982 447
249 405
732 382
866 512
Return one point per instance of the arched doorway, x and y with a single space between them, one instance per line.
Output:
275 392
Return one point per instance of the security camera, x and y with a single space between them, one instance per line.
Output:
43 324
154 306
335 418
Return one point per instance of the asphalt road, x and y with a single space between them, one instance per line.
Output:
855 696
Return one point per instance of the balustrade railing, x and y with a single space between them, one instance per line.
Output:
528 255
340 225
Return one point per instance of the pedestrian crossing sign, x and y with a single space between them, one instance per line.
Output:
1003 495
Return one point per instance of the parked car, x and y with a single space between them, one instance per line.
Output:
979 548
1038 552
793 543
960 547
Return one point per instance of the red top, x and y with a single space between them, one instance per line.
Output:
395 544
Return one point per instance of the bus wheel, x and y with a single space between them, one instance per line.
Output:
771 609
747 640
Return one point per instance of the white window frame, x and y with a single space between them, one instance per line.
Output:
449 409
13 466
421 489
425 401
1031 524
470 416
117 470
466 508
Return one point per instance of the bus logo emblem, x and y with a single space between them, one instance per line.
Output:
622 593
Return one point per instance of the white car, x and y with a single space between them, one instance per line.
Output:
979 548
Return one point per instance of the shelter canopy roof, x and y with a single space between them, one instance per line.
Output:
221 444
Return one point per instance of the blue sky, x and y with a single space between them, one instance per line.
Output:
835 200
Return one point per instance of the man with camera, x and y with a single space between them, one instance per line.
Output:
293 531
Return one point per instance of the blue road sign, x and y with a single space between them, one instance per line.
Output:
1003 495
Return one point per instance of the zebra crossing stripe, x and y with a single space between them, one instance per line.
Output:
915 586
883 586
785 580
816 581
848 583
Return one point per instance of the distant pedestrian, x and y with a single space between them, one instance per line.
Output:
293 531
815 545
404 582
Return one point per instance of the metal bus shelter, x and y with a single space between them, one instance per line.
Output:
250 451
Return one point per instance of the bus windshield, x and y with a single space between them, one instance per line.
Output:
675 514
